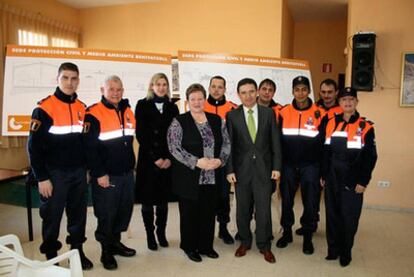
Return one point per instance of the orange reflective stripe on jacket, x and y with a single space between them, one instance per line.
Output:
67 117
220 110
353 132
301 123
110 122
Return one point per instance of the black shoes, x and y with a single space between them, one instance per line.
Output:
331 257
307 243
120 249
85 262
194 256
285 239
211 254
299 231
225 235
345 260
108 260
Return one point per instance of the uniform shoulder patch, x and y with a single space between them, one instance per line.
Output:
35 125
43 100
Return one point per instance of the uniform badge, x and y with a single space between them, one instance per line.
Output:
310 121
128 119
35 125
359 131
86 127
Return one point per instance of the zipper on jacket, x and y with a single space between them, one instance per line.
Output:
300 119
71 118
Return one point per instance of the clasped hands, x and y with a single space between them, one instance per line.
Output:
163 163
208 163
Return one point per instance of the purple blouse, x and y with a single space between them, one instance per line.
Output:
174 139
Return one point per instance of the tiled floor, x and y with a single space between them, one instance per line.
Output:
384 247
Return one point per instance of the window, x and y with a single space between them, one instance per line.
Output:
39 39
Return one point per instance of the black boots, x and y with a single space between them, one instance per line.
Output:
148 217
224 234
285 239
307 243
161 222
85 262
107 258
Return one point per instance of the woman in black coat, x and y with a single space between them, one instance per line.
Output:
153 115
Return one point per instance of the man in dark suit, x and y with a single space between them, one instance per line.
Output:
255 156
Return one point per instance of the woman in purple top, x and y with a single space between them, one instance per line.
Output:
200 145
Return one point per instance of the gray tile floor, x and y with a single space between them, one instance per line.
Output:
384 247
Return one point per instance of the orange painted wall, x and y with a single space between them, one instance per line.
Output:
321 42
288 31
243 27
392 22
48 8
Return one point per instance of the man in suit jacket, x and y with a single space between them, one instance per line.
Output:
255 156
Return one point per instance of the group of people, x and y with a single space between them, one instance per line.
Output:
195 157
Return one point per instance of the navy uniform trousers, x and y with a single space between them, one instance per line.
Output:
113 207
69 191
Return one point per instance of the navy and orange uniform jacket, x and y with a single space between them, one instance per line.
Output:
276 107
329 112
302 134
219 107
350 152
55 138
108 138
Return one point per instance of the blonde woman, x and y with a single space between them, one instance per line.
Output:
153 115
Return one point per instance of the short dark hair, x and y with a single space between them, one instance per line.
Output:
194 88
329 82
68 66
246 81
218 77
267 82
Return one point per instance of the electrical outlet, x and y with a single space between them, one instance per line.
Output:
384 184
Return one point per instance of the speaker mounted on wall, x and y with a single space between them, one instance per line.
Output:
363 59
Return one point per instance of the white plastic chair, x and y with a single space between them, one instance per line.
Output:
13 263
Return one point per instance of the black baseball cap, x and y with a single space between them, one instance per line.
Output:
301 80
348 91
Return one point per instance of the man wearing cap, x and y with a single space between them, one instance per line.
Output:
349 158
301 146
328 91
216 103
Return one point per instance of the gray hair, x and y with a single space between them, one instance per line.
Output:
113 78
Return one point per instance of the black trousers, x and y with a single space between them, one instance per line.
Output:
113 207
308 178
223 206
197 220
69 191
343 210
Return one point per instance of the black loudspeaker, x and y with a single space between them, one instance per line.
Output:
363 58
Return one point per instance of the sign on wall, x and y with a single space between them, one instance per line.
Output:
31 71
199 67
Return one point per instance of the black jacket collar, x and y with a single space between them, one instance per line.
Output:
64 97
215 102
295 105
352 119
321 104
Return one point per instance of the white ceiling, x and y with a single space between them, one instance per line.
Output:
306 10
83 4
302 10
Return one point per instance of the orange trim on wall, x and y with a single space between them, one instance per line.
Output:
195 56
86 54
